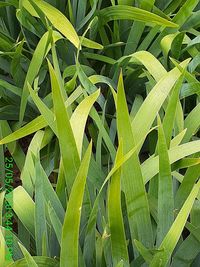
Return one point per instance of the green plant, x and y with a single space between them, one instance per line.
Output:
111 95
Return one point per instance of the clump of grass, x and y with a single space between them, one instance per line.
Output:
110 92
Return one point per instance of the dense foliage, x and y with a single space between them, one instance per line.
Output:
108 92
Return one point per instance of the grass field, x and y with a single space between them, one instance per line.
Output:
99 133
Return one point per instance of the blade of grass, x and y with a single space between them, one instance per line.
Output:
40 261
132 182
56 223
71 160
40 52
137 29
170 114
40 217
151 166
90 231
37 123
118 238
188 182
165 188
2 195
14 148
151 63
119 12
79 118
192 123
177 139
30 261
155 100
5 258
62 24
28 174
70 231
172 237
19 195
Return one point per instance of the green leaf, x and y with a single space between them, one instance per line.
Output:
151 63
71 160
165 188
190 247
92 219
170 114
30 261
58 20
119 12
155 100
19 195
40 217
91 44
3 4
151 166
5 255
47 114
146 254
14 148
28 174
57 225
50 195
118 238
40 261
79 118
132 182
70 231
178 139
185 11
40 52
37 123
14 89
188 182
192 123
172 237
2 195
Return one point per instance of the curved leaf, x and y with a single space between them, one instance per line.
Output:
119 12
